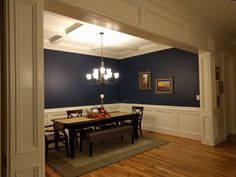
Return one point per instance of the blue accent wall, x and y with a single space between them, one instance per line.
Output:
66 84
181 65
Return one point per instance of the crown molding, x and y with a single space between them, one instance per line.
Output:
114 55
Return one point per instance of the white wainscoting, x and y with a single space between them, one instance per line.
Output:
173 120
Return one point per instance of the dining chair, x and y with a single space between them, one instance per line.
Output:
138 110
56 136
73 114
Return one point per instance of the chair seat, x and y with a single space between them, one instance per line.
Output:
128 122
51 137
55 136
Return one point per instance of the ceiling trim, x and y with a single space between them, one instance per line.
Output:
58 38
122 55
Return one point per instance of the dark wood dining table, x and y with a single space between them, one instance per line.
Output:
84 122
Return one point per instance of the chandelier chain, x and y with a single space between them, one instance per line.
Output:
102 45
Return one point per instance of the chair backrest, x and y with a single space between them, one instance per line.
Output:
138 110
72 113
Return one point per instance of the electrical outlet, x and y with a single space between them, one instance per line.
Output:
197 97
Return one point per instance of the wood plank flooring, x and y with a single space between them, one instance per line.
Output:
180 158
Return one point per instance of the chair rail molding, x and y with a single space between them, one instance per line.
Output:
24 89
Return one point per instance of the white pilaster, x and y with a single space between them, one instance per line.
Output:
24 82
206 66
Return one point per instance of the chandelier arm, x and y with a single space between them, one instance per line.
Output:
92 82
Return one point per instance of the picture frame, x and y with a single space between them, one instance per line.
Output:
164 85
221 87
145 80
218 101
217 73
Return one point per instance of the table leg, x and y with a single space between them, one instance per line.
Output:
57 135
135 124
72 142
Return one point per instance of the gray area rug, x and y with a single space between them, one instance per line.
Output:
104 153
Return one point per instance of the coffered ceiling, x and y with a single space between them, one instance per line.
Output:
66 34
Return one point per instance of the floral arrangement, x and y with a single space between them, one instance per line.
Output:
97 113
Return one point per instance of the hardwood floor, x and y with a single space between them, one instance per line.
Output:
180 158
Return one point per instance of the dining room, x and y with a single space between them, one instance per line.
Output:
158 78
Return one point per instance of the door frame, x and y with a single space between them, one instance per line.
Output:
2 43
228 75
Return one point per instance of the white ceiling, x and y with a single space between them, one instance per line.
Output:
219 14
66 34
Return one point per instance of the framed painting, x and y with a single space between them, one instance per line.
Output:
221 87
145 80
164 85
217 73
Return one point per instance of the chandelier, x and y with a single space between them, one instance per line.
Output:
102 75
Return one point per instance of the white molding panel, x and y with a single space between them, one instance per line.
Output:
163 24
29 171
25 80
173 120
168 19
206 129
188 122
112 9
206 64
163 119
25 138
200 38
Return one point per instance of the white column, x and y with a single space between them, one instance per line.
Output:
206 66
24 81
